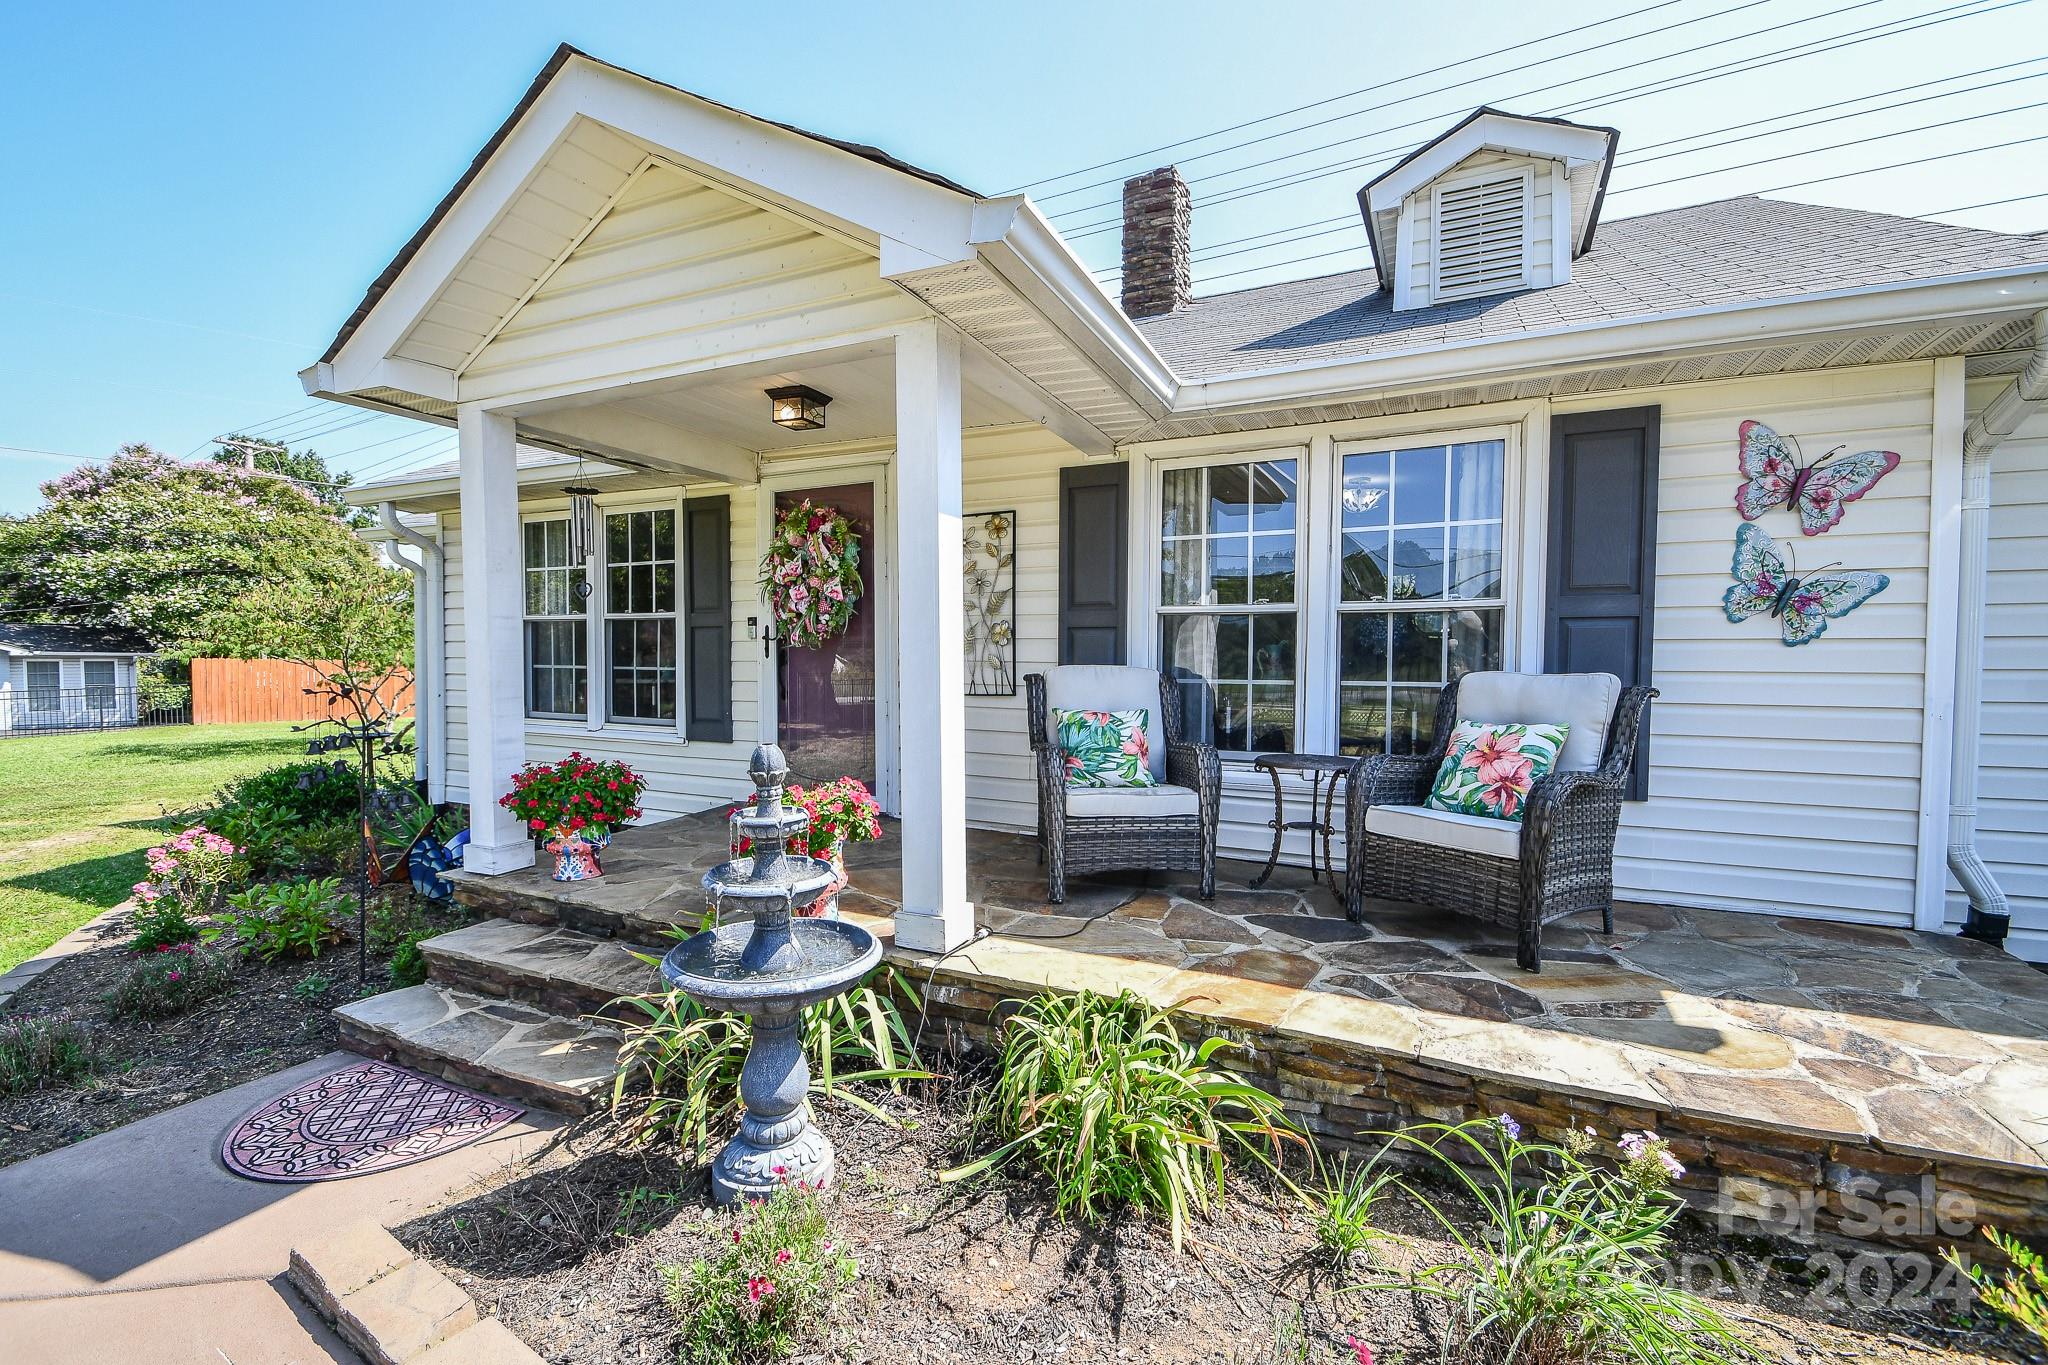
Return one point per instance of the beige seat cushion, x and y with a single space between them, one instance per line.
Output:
1133 802
1584 701
1109 687
1472 833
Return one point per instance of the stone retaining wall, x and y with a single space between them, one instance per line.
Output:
1745 1180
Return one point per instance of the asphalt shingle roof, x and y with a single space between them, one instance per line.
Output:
1728 251
66 639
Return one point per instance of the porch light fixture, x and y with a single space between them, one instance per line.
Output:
797 407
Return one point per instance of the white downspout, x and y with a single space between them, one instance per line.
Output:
430 642
1989 913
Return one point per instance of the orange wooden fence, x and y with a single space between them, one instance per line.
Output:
235 691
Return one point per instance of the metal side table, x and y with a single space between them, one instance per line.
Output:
1316 766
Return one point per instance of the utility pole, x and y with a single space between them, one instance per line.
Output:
248 449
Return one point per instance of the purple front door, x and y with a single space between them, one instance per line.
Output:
825 697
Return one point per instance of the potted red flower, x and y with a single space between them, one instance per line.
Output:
842 811
573 806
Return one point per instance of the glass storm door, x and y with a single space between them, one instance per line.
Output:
825 697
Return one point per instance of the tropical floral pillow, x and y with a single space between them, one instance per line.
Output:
1104 748
1489 769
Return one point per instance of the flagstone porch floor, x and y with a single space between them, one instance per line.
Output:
1925 1051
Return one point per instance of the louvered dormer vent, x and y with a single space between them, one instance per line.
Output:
1482 236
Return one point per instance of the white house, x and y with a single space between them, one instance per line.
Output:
62 677
1507 438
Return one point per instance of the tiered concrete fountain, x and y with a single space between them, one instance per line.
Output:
768 967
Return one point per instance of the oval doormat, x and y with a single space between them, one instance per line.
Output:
368 1116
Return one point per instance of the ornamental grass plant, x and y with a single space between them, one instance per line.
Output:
1566 1264
38 1053
1102 1096
678 1076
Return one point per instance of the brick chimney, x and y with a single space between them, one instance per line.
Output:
1156 217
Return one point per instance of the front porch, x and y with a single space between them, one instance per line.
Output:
1788 1059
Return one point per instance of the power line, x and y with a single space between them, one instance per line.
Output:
1848 175
1563 84
1756 62
1834 147
1441 89
1350 221
1775 189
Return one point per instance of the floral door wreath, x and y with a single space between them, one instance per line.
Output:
811 574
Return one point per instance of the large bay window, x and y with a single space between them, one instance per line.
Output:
1227 598
1419 585
640 614
557 639
1325 596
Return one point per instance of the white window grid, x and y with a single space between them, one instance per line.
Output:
552 599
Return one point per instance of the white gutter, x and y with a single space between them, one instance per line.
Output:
1990 915
430 643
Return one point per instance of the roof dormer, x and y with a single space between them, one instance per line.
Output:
1499 203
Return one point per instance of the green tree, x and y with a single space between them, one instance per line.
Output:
304 467
172 549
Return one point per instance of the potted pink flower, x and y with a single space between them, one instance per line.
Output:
842 811
573 806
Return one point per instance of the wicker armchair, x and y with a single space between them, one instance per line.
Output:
1168 828
1558 861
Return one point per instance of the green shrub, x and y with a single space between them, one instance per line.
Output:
171 980
36 1053
301 793
771 1286
397 927
2021 1294
1567 1263
311 990
162 924
679 1070
1101 1096
286 919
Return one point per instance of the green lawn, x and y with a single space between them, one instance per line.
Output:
76 812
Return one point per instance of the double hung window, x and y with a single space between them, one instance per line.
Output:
640 614
45 685
99 684
1227 597
557 639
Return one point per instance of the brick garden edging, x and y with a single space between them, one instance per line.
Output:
1748 1178
394 1308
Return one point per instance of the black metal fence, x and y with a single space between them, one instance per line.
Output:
69 710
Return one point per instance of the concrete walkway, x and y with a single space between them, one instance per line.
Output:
137 1245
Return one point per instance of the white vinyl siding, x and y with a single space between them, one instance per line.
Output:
1785 780
683 776
678 270
2012 802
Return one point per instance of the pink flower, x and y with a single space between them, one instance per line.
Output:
759 1287
1360 1351
735 1236
177 976
782 1256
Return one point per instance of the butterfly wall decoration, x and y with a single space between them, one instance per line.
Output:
1766 581
1774 476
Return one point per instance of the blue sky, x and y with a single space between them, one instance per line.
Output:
197 202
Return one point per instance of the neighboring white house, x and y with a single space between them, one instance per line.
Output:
1508 439
61 677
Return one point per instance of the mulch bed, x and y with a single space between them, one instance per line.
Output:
569 1256
274 1017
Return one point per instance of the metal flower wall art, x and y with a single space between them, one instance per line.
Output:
1767 578
989 561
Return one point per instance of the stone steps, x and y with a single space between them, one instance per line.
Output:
558 970
497 1046
598 909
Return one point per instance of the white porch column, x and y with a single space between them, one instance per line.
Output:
931 728
491 608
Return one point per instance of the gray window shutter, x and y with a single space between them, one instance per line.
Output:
707 618
1094 556
1603 552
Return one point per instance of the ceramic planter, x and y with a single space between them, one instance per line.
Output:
576 856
